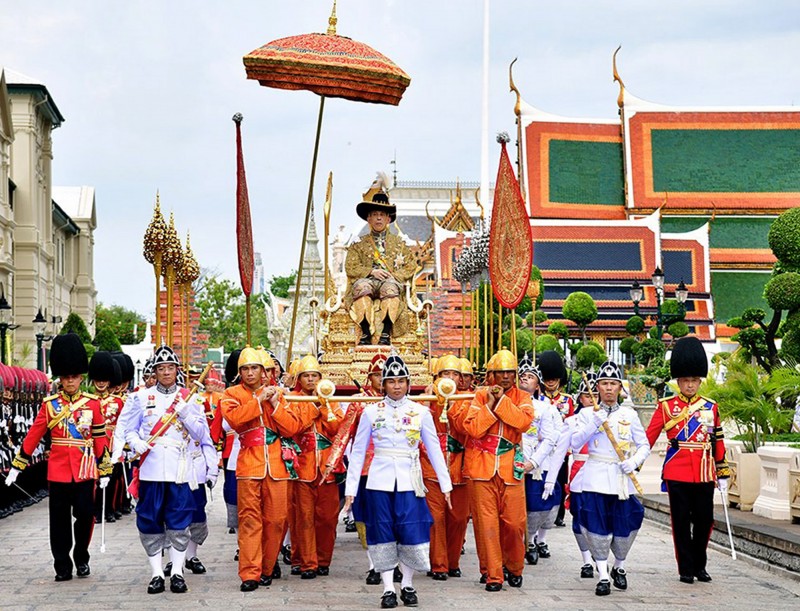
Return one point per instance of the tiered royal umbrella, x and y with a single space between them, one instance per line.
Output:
331 66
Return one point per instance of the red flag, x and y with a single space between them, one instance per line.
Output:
244 226
510 240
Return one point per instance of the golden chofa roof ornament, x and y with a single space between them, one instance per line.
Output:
154 235
618 79
173 253
190 270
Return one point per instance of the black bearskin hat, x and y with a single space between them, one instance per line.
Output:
68 356
688 359
122 363
101 367
116 377
232 367
552 366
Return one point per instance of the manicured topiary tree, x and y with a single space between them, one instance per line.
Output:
548 342
580 308
106 339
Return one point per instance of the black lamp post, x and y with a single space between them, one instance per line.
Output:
39 325
663 319
5 323
138 372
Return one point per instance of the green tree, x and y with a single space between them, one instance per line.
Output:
222 315
75 324
106 339
128 326
280 285
580 308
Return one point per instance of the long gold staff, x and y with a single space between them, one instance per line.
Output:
610 435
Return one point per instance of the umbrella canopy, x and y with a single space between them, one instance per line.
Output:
329 65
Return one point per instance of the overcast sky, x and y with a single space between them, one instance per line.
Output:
148 89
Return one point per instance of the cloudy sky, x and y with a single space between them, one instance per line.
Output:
148 88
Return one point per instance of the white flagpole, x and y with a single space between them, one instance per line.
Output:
485 114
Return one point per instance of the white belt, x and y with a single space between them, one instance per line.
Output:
611 460
622 478
396 452
579 457
166 441
416 469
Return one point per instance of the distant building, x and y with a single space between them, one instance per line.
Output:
258 274
46 232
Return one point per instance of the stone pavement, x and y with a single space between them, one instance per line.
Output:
119 577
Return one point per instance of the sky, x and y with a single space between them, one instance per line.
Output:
148 89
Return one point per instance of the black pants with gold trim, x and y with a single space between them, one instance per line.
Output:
68 501
692 510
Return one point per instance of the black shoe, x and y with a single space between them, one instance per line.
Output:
587 571
118 515
276 572
560 523
515 581
483 577
350 527
110 519
544 551
249 585
409 597
286 552
231 531
177 584
126 511
373 577
699 576
308 575
603 587
236 555
388 600
195 566
398 575
366 335
265 580
168 569
63 576
686 579
295 570
505 574
618 576
385 340
532 555
438 577
454 572
156 585
82 570
494 587
323 571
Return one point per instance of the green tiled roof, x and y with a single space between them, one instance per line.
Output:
726 232
586 173
735 291
726 160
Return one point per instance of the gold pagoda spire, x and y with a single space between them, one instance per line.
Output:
618 79
332 20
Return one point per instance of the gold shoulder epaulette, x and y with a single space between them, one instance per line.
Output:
51 397
90 395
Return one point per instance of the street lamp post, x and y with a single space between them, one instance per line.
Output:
663 319
5 323
39 326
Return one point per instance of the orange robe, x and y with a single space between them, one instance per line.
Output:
493 464
262 473
449 525
315 501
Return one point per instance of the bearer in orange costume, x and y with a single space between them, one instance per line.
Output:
493 463
262 418
315 498
449 525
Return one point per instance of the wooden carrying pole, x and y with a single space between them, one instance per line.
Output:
610 435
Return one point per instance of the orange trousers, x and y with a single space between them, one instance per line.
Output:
315 509
498 514
449 525
262 518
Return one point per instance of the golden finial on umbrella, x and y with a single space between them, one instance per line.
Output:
188 274
172 259
154 237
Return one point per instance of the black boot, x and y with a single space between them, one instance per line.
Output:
386 334
366 335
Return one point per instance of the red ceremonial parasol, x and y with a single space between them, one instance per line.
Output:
330 66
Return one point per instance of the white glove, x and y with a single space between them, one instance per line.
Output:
548 490
104 482
600 416
12 476
139 446
211 481
181 407
628 466
722 484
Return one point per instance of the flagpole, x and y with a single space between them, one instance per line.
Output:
485 322
485 107
305 229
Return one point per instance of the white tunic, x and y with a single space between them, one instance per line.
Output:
234 455
602 472
170 459
396 429
540 439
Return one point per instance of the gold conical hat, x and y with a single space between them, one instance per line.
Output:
449 362
250 356
266 359
466 367
503 360
308 364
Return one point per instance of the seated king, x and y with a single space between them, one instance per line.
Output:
377 267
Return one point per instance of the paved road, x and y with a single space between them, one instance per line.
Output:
119 577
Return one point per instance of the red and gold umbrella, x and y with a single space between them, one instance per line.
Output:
331 66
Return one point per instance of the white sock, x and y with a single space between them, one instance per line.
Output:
587 557
371 564
388 580
177 559
602 568
287 540
191 550
408 576
541 536
155 565
619 564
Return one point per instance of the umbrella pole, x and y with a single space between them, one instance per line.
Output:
305 230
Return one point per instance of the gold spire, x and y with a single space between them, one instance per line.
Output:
618 79
332 21
173 253
513 87
478 200
155 233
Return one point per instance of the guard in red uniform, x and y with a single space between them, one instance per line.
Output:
78 454
695 458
